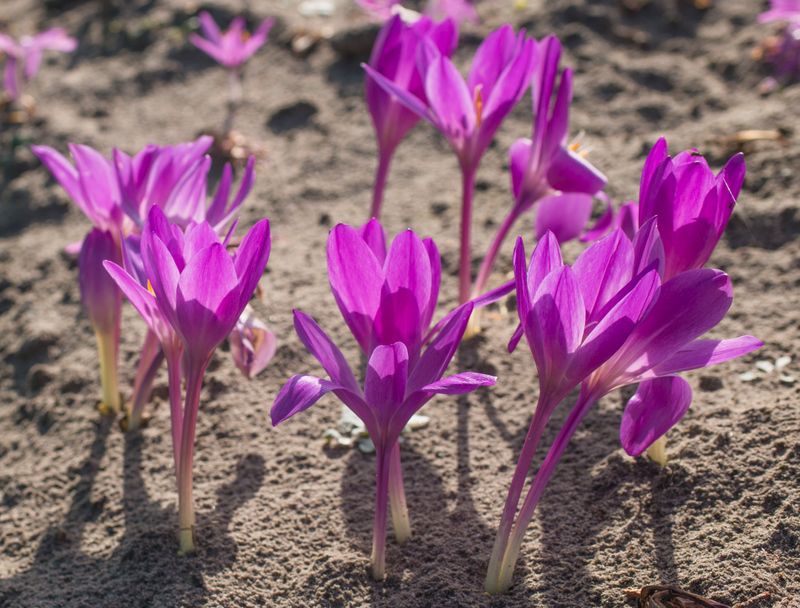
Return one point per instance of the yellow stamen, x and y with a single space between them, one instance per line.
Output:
478 105
575 146
150 288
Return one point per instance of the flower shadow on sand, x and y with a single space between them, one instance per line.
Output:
144 568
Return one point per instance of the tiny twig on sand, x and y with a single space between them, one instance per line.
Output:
666 596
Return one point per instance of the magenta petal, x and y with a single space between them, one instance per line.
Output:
702 296
209 277
297 395
651 173
251 259
519 160
565 215
451 102
602 270
458 384
356 280
555 324
704 353
210 27
375 237
656 407
142 300
440 351
607 337
570 172
386 377
648 249
410 101
545 259
10 77
326 352
65 174
99 293
436 278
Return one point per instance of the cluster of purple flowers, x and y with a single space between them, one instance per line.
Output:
632 309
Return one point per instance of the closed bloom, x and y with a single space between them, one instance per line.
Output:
24 58
102 302
690 204
233 47
608 321
387 300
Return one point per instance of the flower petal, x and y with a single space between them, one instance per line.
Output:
564 214
297 395
325 351
356 280
656 407
570 172
705 353
385 381
602 270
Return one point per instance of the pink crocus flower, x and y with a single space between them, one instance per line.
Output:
469 111
233 47
546 172
252 344
782 10
115 195
608 321
394 56
194 295
24 58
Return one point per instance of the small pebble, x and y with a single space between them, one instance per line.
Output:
747 376
787 379
782 362
765 366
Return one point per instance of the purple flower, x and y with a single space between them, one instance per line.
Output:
690 204
469 112
387 300
233 47
384 297
102 302
116 196
195 292
782 10
24 58
252 344
394 56
545 170
606 322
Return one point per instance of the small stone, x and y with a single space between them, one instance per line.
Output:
316 8
747 376
787 379
782 362
765 366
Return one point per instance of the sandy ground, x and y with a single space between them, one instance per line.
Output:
88 513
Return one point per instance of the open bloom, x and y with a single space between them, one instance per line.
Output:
783 51
24 58
690 204
233 47
387 300
115 195
545 170
196 292
469 112
606 322
394 56
102 302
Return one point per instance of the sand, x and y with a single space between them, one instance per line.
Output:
88 513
